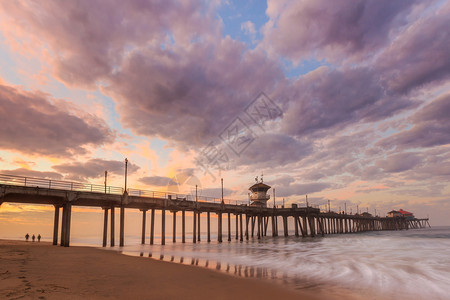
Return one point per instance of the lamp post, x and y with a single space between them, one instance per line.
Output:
221 179
126 169
329 206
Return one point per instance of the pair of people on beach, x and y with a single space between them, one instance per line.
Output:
27 236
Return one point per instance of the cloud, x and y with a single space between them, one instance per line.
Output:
399 162
22 172
420 55
89 38
332 99
431 127
351 29
94 168
33 123
248 28
300 189
157 181
188 95
273 150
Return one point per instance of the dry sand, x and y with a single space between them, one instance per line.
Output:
31 270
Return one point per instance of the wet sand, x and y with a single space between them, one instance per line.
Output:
31 270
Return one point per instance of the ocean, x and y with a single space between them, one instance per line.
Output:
379 265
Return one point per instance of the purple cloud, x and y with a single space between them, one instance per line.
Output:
431 127
420 55
94 168
304 29
33 173
332 99
90 38
399 162
32 124
159 181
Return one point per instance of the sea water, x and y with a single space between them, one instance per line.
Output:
383 264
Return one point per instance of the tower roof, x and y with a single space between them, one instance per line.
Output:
259 185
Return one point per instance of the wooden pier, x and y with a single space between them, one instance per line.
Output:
250 221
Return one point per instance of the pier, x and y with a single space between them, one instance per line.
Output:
250 221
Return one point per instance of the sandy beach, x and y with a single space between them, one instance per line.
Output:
41 271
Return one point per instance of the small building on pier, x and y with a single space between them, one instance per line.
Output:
259 196
400 213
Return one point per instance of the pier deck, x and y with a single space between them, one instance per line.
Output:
308 221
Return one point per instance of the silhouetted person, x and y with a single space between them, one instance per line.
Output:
33 237
39 237
27 236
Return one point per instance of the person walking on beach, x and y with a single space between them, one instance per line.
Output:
33 237
27 236
39 237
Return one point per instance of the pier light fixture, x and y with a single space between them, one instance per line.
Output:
126 169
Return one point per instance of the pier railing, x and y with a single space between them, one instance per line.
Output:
98 188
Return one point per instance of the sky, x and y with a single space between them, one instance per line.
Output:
344 101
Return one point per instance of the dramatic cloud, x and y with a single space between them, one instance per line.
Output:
90 38
188 95
32 173
94 168
159 181
331 99
32 124
332 31
273 150
300 189
399 162
420 55
431 127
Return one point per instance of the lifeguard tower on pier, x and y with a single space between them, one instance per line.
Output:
259 196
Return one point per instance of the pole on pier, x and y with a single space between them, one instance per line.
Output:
258 234
105 226
55 226
246 226
219 227
63 225
183 226
198 226
273 225
112 226
209 226
237 226
163 226
194 228
174 227
152 227
68 219
229 227
144 216
296 226
242 233
122 225
285 226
